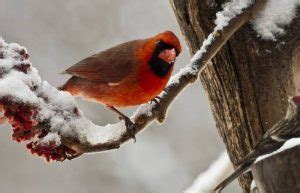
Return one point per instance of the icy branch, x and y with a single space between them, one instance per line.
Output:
206 181
35 108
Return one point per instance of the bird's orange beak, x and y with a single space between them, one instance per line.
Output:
168 55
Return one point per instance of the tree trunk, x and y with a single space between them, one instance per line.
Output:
249 80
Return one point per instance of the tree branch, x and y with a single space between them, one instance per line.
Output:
46 110
207 180
145 114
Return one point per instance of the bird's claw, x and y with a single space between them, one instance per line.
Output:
156 100
72 156
130 126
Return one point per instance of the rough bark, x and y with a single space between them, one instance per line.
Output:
249 80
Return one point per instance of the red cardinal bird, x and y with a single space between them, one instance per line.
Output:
128 74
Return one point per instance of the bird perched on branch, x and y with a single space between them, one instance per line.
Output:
128 74
273 139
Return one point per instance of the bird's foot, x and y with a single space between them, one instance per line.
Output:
156 100
130 126
72 156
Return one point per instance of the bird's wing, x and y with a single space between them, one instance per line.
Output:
270 142
238 171
267 145
111 65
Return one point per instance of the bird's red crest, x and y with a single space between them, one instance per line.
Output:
169 38
145 52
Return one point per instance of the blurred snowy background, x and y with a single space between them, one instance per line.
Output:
165 159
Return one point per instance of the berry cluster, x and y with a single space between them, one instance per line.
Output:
23 116
25 128
51 151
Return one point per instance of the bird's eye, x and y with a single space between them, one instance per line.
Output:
159 43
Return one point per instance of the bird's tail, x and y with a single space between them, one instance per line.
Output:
62 87
243 166
239 170
67 86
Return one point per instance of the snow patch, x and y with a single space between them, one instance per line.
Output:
217 171
269 23
277 14
144 109
230 11
253 185
13 86
57 108
51 138
207 42
96 134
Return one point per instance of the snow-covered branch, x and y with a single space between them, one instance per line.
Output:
51 120
206 181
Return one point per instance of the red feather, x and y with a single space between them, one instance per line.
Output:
121 76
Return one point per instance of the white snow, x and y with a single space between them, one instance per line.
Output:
230 10
277 14
207 42
253 185
13 86
1 41
269 23
144 109
188 69
58 108
69 123
51 138
217 171
97 134
287 145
